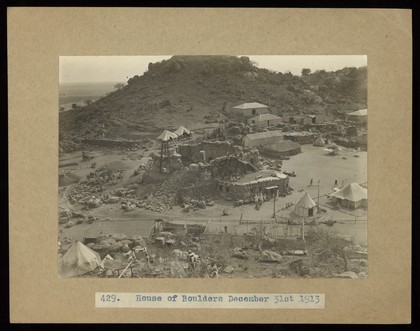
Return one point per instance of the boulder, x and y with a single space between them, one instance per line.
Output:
94 202
69 224
228 269
119 236
115 248
270 256
127 242
107 242
194 167
113 199
362 275
125 248
138 241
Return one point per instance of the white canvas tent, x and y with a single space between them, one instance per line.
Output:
78 260
306 207
351 196
167 135
182 130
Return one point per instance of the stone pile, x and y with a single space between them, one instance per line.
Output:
93 185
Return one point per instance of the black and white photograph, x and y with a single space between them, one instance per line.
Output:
213 166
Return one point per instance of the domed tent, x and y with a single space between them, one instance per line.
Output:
319 142
306 207
78 260
351 196
282 148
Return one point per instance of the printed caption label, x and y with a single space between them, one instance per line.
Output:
210 300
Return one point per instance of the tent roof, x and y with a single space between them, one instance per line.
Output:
361 112
306 202
181 130
352 192
78 260
250 105
167 135
265 117
262 135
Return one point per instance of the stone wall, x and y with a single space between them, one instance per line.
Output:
244 192
190 153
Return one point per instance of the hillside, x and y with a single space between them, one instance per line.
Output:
188 89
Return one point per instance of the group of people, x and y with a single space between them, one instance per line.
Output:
259 199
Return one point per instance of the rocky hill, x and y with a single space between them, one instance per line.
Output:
188 90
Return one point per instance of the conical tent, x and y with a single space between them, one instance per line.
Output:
182 130
319 142
306 207
78 260
167 135
353 195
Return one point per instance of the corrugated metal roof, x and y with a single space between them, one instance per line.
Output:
250 105
262 135
265 117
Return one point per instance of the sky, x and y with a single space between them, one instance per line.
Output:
121 68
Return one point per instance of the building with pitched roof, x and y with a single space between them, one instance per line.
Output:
263 120
262 138
250 109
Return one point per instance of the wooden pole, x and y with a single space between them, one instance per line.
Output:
161 156
318 194
122 273
303 229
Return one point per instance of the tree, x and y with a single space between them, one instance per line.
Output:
88 101
74 105
306 71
